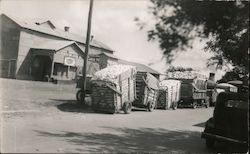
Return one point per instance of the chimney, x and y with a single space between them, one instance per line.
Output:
211 76
66 28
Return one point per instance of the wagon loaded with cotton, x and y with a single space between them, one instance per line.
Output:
193 88
113 89
147 87
169 94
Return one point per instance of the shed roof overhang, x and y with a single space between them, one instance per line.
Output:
57 45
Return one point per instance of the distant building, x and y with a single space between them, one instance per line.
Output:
141 68
107 59
36 51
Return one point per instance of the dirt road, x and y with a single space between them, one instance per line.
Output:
41 117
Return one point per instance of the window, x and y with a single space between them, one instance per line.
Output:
60 70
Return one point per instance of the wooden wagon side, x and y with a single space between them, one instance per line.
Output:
169 94
196 96
147 87
113 97
167 99
162 99
103 97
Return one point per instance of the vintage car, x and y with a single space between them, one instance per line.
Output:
229 123
222 87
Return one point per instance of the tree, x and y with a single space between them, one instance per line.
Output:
178 22
236 74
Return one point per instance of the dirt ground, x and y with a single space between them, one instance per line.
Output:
38 117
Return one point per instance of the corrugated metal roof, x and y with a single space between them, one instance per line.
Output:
56 45
139 67
57 32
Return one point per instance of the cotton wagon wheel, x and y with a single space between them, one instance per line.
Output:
207 102
113 111
127 107
194 105
79 96
155 106
174 106
151 106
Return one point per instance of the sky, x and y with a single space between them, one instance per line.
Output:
113 24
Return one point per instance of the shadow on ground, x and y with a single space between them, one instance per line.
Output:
75 106
72 106
143 140
132 140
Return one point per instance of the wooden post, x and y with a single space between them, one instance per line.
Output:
52 67
84 71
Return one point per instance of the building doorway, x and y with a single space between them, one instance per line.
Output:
41 68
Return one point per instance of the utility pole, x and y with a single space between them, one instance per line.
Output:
84 70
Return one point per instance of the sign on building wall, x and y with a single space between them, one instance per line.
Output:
69 61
